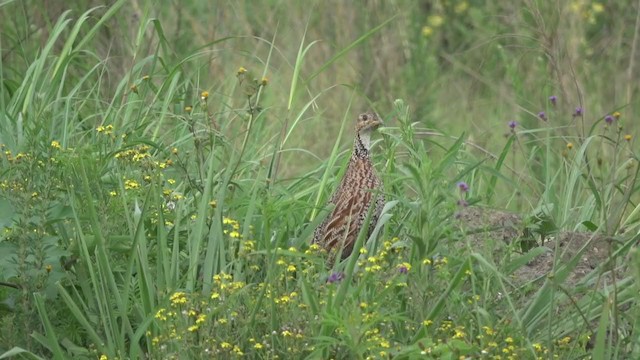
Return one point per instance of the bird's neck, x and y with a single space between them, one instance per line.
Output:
362 144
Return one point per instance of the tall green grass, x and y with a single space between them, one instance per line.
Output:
163 169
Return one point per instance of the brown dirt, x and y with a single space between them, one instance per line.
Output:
489 224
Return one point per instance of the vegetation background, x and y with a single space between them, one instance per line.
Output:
164 164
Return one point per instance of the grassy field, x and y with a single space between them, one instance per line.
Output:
164 165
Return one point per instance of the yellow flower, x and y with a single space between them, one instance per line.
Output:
597 8
234 234
258 346
130 184
192 328
264 81
569 145
435 20
404 267
213 204
427 322
628 137
226 345
616 115
241 70
427 31
291 268
134 88
55 144
174 151
178 298
461 7
104 357
160 315
188 108
204 95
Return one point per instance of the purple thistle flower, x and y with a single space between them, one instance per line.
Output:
463 186
579 111
513 124
403 269
335 277
553 99
609 119
542 115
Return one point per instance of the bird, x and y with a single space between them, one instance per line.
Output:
359 189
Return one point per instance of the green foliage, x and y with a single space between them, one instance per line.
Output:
163 169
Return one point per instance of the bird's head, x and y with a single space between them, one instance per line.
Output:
367 122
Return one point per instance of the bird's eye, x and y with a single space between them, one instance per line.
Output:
365 117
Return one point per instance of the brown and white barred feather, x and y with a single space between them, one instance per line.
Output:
354 195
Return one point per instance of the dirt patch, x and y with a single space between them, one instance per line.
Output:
493 232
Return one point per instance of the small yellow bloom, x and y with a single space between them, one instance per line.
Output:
569 145
104 357
134 88
192 328
55 144
204 95
427 322
427 31
258 346
264 81
146 77
405 267
616 115
241 70
48 268
628 137
174 151
597 8
213 204
291 268
226 345
131 184
171 181
435 20
461 7
188 108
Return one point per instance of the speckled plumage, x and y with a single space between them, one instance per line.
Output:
354 195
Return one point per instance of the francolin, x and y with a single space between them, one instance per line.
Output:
359 189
